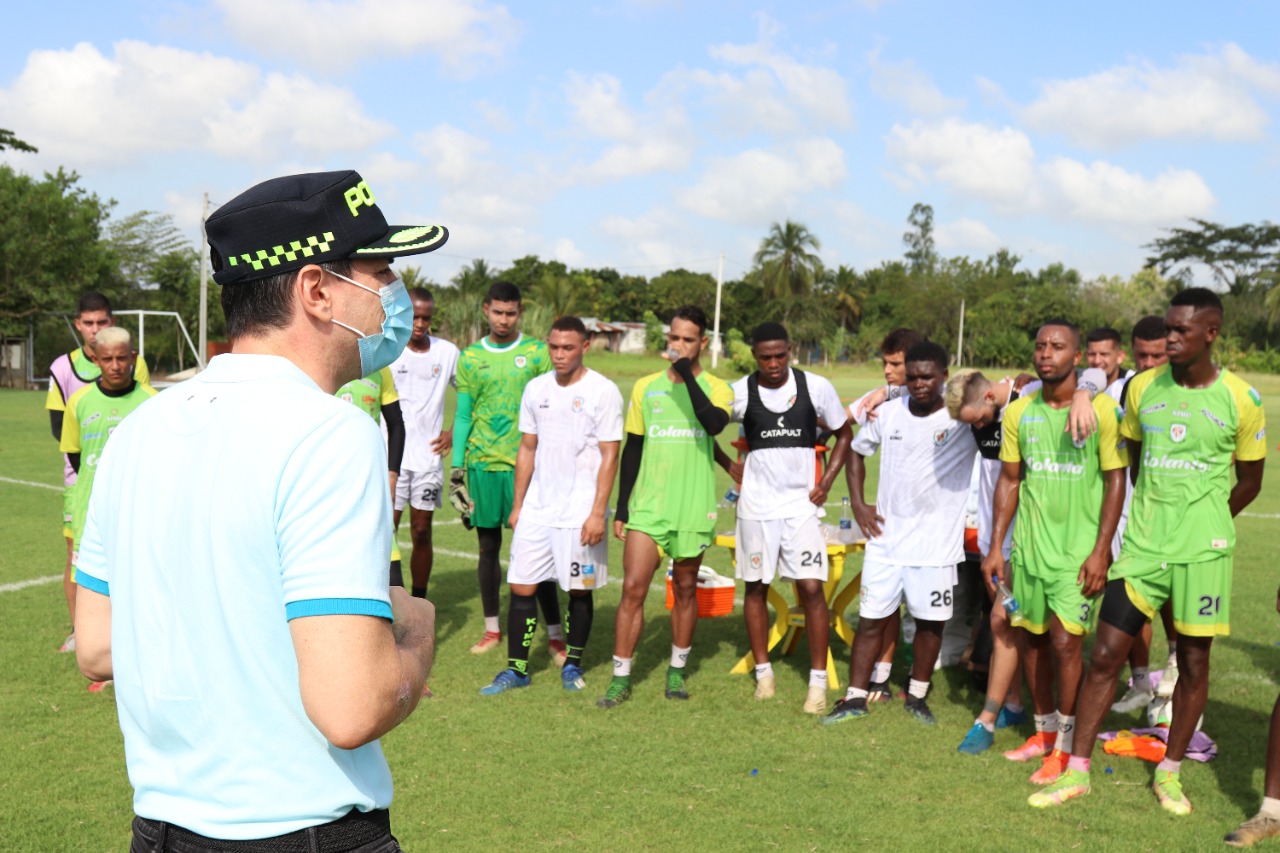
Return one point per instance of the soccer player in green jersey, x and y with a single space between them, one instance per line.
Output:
1266 823
92 414
667 495
492 374
1185 423
376 395
1067 493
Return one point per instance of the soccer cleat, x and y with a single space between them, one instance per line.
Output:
815 701
1006 718
1256 828
69 644
1053 766
675 683
571 678
1135 699
879 691
558 652
506 680
919 709
1037 745
1168 678
978 740
1168 790
98 686
846 709
619 691
764 687
1069 785
487 642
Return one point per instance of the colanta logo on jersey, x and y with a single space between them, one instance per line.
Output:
656 431
1165 462
1054 467
781 431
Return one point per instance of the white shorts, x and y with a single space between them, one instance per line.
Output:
420 490
927 590
792 547
540 553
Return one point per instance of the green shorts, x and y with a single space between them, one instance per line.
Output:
1056 594
492 492
1200 592
677 544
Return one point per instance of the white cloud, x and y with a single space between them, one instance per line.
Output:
1210 95
966 235
756 185
596 104
83 107
904 83
993 164
453 156
653 140
568 253
1107 193
336 35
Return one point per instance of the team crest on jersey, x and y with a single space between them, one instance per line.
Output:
435 371
1178 432
1079 443
940 437
521 361
346 398
757 560
578 403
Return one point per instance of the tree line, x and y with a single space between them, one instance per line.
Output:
59 239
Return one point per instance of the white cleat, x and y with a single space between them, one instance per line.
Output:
764 687
816 701
1134 700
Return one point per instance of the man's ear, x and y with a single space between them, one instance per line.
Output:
314 292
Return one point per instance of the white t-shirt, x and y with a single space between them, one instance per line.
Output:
926 466
421 378
225 507
776 480
570 421
860 416
1115 389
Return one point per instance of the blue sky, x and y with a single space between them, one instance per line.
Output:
650 135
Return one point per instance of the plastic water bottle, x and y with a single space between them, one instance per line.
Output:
587 566
846 521
731 497
672 355
1007 600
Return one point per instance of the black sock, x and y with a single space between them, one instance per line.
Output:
489 571
419 592
522 621
577 619
549 600
397 576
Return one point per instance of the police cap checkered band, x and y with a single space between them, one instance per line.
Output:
286 223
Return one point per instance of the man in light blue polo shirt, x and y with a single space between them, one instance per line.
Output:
233 565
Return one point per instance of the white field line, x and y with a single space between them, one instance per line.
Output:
29 483
14 587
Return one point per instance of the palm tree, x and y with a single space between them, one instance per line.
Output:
847 296
788 265
474 280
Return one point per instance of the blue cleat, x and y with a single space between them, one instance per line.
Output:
1007 719
504 681
977 740
571 677
845 710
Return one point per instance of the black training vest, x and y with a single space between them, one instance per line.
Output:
989 436
796 427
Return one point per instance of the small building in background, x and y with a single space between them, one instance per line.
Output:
615 337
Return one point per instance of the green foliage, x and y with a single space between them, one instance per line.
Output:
655 340
740 356
1238 256
8 140
787 260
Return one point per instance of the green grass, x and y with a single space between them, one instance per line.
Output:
543 769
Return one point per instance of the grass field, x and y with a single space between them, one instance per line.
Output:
543 769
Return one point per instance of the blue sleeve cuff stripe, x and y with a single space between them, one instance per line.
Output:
91 583
338 607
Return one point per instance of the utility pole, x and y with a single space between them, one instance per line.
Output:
960 337
715 333
203 355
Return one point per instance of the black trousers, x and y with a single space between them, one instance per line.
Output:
354 832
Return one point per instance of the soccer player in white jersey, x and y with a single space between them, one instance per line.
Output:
422 373
571 427
1104 349
781 411
915 529
893 358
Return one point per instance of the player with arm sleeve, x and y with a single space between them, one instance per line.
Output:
571 427
492 374
782 411
1188 425
667 495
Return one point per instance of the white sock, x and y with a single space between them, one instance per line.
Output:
1142 678
990 727
818 678
762 669
880 672
679 656
555 632
1270 807
1066 733
1046 723
491 625
917 689
855 693
621 666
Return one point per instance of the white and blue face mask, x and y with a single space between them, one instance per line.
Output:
381 348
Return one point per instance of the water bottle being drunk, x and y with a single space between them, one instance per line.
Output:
1007 600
